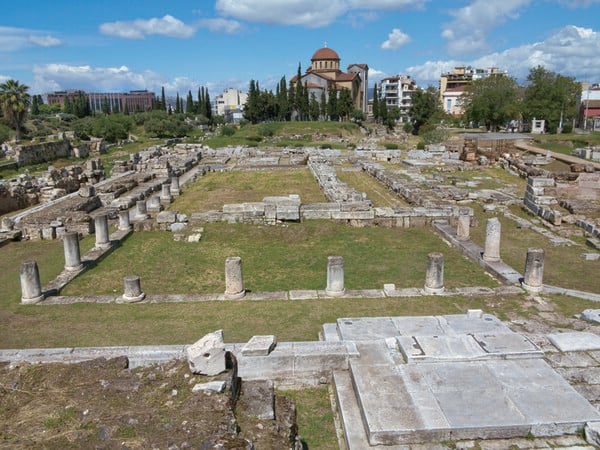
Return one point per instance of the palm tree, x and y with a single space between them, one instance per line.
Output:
14 101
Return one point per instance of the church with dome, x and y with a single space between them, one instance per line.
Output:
324 75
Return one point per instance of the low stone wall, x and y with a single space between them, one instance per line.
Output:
273 210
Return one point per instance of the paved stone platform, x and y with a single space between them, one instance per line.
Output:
457 377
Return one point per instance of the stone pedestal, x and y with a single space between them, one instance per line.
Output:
234 281
463 226
124 221
141 211
72 252
133 291
175 190
534 270
31 289
434 278
101 227
165 193
335 276
154 204
492 240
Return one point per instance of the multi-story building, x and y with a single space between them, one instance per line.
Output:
453 84
324 76
397 92
230 104
131 101
589 107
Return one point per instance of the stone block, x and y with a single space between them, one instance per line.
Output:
288 212
258 399
207 355
166 217
214 386
259 346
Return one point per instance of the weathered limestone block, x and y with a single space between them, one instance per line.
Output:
335 276
207 355
167 217
259 346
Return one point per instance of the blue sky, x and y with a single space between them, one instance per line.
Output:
120 45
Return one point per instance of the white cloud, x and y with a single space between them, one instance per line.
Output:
570 51
14 39
396 39
578 3
306 13
220 25
56 77
140 28
375 75
466 34
44 41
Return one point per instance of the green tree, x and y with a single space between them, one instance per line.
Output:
189 103
345 104
332 104
425 108
207 105
163 99
14 100
323 105
314 107
550 96
251 109
35 106
104 106
493 101
177 104
375 107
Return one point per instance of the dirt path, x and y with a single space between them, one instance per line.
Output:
569 159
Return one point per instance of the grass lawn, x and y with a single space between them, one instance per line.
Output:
277 258
214 190
563 266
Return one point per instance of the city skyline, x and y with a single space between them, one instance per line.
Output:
109 46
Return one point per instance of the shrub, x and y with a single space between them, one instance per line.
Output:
325 146
227 131
390 146
421 145
266 130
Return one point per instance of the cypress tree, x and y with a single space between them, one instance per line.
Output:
163 100
375 103
208 106
177 104
189 104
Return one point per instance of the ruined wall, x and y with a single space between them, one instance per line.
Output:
42 152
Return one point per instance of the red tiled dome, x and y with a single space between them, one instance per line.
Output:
325 53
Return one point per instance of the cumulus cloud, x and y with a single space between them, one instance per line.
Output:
375 75
466 34
396 39
56 77
570 51
14 39
220 25
578 3
140 28
306 13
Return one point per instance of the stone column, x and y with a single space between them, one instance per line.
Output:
175 190
31 289
463 226
165 193
534 270
101 227
133 290
141 212
234 281
492 240
124 221
72 252
335 276
434 278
